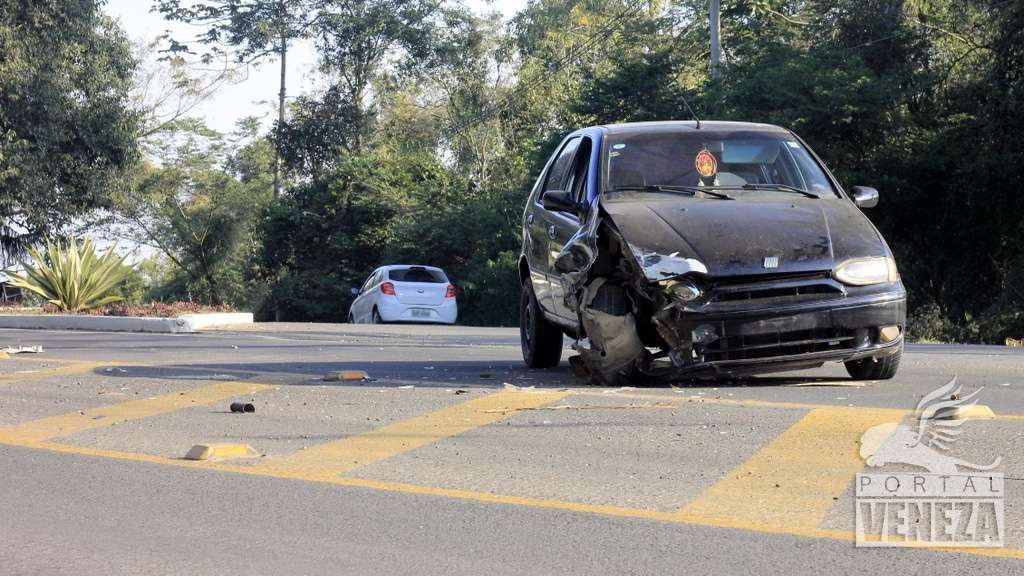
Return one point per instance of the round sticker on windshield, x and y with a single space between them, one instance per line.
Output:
706 164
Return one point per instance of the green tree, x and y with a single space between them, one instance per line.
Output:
252 30
197 204
329 233
66 127
366 44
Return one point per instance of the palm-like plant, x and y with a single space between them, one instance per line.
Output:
73 277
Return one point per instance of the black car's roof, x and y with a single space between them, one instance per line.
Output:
673 125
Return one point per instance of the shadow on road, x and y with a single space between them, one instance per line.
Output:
426 374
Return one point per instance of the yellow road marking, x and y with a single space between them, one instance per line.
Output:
773 404
220 451
791 482
694 399
832 423
45 428
333 458
1009 417
490 498
69 370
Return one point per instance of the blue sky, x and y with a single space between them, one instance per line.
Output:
255 95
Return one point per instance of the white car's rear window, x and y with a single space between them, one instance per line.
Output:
417 274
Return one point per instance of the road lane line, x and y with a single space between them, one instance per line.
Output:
681 399
794 480
334 458
773 404
69 370
499 499
101 416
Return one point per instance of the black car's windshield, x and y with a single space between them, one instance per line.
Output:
747 161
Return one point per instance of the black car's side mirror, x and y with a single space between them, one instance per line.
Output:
558 201
864 196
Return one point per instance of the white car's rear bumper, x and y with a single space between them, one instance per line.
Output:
391 310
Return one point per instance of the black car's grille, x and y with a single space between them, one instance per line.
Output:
778 344
771 289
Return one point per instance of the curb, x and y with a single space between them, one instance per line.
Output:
183 324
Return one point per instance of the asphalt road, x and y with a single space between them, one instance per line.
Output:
452 458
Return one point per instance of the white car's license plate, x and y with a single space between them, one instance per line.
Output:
420 313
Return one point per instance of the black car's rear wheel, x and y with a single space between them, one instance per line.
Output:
541 339
883 368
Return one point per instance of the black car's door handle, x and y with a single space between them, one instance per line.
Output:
551 231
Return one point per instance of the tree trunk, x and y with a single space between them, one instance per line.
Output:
215 296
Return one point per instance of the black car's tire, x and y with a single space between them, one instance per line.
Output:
376 319
541 340
883 368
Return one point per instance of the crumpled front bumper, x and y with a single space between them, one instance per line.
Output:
769 339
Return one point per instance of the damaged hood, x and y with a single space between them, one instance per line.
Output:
673 235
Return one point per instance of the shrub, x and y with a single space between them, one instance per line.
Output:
73 277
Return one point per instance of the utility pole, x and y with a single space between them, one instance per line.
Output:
282 22
716 44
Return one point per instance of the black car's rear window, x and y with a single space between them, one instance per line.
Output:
737 158
417 274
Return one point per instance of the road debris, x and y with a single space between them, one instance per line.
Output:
243 407
829 383
23 350
579 368
347 376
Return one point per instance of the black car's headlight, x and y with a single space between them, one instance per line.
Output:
683 290
864 271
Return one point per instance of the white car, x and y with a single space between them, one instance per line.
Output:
404 293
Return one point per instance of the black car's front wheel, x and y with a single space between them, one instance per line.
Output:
541 340
883 368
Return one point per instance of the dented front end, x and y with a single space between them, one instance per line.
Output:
661 312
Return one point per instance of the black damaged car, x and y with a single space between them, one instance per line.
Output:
673 250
